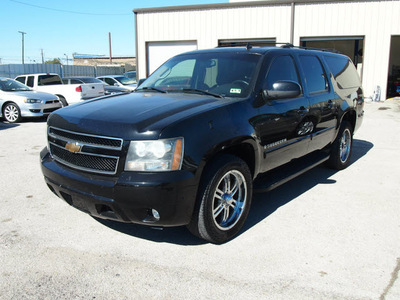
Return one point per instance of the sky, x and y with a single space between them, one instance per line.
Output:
60 28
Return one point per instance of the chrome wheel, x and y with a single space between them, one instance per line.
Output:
11 113
345 146
341 148
224 199
229 200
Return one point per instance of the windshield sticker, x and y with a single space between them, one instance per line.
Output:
235 91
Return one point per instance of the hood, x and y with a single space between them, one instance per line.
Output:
131 116
29 94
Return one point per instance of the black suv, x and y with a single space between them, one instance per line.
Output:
202 133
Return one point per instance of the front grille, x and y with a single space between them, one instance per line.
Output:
52 101
90 153
49 110
106 142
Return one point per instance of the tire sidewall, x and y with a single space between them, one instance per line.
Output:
64 102
206 226
18 110
335 159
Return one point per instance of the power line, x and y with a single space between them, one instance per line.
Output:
68 11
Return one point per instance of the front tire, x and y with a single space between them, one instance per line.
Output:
342 147
224 200
64 102
11 113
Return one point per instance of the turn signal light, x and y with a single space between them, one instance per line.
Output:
79 89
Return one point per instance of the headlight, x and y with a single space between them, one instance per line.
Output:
32 101
155 156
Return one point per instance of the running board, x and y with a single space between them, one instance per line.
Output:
272 179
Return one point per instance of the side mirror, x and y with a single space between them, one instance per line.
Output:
141 81
283 89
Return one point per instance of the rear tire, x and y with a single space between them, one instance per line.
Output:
223 200
342 148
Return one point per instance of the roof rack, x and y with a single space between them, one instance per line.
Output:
249 45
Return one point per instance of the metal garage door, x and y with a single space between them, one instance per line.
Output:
159 52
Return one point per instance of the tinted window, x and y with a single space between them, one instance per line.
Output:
343 71
75 81
21 79
315 75
30 81
49 80
90 80
110 81
282 68
228 74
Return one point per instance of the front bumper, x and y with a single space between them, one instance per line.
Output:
39 109
130 197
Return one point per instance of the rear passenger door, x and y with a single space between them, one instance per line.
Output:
322 118
278 120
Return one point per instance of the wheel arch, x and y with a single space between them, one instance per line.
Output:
245 149
351 117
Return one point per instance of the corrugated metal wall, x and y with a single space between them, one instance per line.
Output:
208 26
375 20
14 70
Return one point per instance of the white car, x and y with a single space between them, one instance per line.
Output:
17 101
119 80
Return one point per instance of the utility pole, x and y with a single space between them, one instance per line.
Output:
109 43
67 58
23 45
41 50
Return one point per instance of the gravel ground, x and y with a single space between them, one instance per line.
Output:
324 235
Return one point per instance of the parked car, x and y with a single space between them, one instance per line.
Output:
68 94
119 80
17 101
108 89
131 74
203 132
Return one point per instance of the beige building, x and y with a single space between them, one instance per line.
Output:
94 60
368 31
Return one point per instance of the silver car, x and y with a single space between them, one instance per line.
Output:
17 101
119 80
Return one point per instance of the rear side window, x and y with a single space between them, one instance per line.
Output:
282 68
49 80
30 81
314 73
343 71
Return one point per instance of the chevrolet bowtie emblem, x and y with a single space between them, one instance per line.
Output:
73 147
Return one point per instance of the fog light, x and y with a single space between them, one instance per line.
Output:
155 214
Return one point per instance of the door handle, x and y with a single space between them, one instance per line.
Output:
302 110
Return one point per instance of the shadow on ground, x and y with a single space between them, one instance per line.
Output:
6 125
263 205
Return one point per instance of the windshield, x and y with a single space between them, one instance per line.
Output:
125 80
220 73
9 85
131 74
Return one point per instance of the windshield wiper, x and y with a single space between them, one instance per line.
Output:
152 89
197 91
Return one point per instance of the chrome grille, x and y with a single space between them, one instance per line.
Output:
90 153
